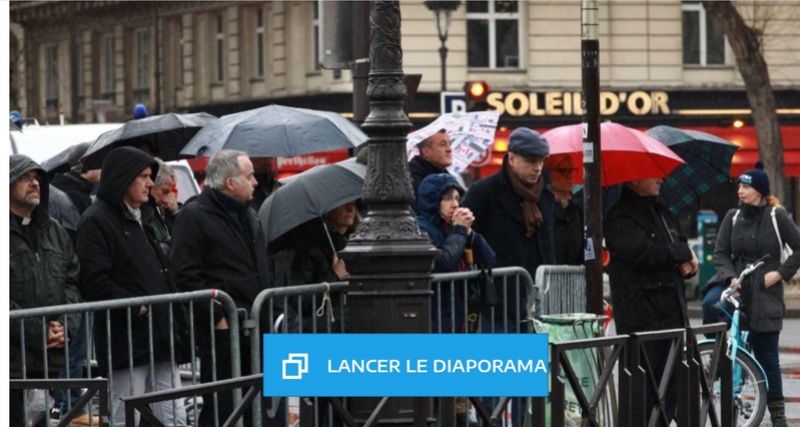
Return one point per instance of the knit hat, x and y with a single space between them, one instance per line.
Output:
757 179
528 143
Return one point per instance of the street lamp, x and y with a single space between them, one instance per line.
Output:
443 10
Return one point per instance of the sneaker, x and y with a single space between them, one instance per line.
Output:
83 420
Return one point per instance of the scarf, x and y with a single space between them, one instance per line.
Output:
530 202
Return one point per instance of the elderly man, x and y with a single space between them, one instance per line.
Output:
435 155
514 212
217 243
120 259
164 202
43 272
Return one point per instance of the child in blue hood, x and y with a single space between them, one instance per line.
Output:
449 227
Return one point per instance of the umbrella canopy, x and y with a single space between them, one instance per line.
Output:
63 161
166 135
471 135
311 194
276 131
626 154
13 126
708 163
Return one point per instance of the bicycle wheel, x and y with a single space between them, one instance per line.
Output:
750 394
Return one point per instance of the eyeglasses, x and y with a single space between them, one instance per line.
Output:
28 178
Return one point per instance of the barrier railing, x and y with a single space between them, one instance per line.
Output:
135 316
560 289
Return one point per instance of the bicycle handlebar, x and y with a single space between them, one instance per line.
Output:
749 269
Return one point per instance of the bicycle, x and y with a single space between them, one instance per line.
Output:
749 379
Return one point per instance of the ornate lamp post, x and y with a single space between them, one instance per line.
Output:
443 10
389 259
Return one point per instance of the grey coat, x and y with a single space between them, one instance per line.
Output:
750 238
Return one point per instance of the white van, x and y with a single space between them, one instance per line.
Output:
42 142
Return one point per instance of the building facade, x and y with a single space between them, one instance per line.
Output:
662 62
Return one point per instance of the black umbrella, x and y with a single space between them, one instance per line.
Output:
310 195
276 131
164 135
63 161
13 126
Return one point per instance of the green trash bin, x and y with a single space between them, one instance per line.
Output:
586 363
707 226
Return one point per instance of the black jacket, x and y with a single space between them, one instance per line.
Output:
120 259
43 272
646 287
499 218
210 250
568 234
306 258
419 168
78 189
750 238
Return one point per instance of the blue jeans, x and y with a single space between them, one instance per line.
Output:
765 349
77 360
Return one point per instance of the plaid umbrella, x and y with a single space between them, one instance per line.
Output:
708 163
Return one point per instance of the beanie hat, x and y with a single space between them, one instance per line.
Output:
757 179
139 111
528 143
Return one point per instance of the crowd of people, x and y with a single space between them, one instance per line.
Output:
134 239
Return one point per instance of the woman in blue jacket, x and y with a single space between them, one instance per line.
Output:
449 227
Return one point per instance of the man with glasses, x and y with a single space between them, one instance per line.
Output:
568 216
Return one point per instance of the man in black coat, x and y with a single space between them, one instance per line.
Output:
120 259
650 259
514 212
79 182
435 155
43 271
217 243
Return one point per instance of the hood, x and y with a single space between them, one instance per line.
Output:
21 164
431 190
121 166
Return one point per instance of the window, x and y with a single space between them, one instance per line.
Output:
51 74
219 49
315 35
258 69
703 39
181 53
493 34
142 59
79 72
109 67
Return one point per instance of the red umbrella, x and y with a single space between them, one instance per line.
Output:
626 154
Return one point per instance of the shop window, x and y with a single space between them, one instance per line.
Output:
493 34
703 39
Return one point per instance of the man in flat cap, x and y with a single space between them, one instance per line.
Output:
514 212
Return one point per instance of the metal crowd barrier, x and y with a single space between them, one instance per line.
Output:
560 289
130 308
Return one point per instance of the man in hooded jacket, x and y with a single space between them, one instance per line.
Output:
43 272
120 259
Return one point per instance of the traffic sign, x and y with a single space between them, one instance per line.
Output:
453 102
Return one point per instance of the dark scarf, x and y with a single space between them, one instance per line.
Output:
530 201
